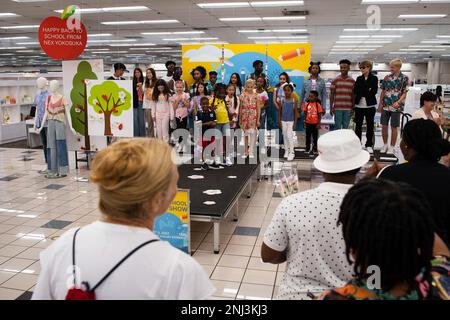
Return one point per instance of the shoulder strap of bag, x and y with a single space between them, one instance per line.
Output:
113 269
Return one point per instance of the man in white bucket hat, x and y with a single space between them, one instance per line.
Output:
304 232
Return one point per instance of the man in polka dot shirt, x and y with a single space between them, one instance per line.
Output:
304 232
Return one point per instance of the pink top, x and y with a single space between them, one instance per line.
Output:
181 111
162 108
56 110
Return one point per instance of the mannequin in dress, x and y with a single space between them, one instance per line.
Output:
57 115
40 101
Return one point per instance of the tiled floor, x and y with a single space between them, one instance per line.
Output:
35 211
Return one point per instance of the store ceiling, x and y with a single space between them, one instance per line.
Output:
325 25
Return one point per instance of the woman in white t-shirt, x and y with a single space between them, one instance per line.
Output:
137 181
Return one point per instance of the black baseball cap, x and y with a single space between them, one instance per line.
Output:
120 65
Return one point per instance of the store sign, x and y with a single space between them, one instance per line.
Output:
62 38
174 225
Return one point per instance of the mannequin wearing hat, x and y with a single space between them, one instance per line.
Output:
57 117
40 101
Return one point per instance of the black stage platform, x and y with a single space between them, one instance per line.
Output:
226 187
301 154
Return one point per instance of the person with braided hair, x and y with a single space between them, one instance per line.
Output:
422 147
387 228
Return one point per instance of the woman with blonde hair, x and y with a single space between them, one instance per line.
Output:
119 256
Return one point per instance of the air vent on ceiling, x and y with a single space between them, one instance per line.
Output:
200 29
300 34
134 37
286 12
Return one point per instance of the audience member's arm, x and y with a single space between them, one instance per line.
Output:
268 255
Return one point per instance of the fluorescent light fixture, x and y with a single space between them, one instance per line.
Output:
262 38
96 49
424 46
386 36
435 41
349 52
190 39
363 42
12 48
168 33
445 55
220 5
421 16
25 1
273 30
352 36
14 38
100 35
119 23
110 9
7 14
24 51
381 29
240 19
417 49
111 40
288 18
131 44
388 1
443 36
27 43
276 3
31 26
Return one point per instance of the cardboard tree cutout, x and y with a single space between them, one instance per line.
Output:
78 111
109 99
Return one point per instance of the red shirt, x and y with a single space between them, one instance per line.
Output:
312 111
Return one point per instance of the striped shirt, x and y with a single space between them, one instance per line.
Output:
343 92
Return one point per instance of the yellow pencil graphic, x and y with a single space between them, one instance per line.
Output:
292 54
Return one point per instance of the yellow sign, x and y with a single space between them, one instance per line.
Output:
174 225
226 59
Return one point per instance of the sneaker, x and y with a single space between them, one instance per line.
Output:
251 156
44 171
215 166
369 150
228 162
218 161
290 157
384 149
286 154
244 156
390 150
205 166
209 161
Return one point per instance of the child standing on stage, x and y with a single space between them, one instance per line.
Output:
261 85
208 118
232 105
313 113
180 103
249 118
287 120
162 111
218 104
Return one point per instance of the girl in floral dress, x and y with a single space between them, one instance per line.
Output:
249 116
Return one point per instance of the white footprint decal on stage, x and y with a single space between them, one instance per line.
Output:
209 203
212 192
232 177
196 177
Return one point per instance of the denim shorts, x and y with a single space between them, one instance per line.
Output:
394 116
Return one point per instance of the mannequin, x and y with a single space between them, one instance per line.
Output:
40 100
57 116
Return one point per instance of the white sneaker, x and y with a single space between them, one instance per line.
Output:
384 149
290 157
390 150
286 154
218 161
228 162
369 150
